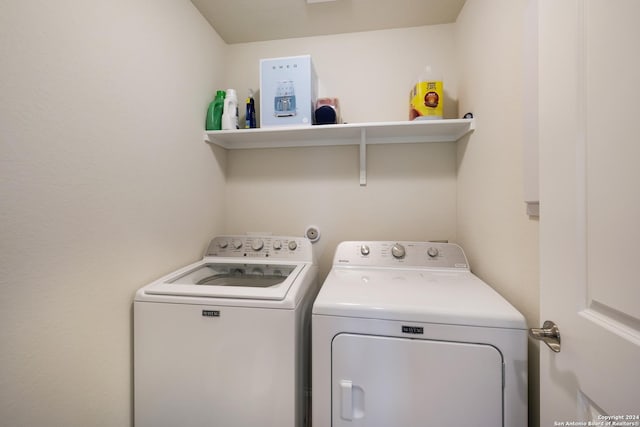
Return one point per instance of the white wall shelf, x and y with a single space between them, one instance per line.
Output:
344 134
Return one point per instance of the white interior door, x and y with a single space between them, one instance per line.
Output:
589 98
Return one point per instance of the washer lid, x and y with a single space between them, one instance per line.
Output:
415 295
228 279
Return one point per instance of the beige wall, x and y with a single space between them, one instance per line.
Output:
105 184
414 191
371 72
501 241
411 188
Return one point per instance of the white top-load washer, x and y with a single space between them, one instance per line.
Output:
403 334
225 341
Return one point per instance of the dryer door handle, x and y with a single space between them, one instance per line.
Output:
351 401
346 400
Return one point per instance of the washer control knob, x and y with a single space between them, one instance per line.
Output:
277 245
293 245
223 244
237 244
257 244
364 250
398 251
433 252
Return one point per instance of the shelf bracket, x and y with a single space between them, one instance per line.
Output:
363 157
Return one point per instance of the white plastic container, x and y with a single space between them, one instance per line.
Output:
230 111
426 99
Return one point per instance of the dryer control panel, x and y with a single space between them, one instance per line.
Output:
261 247
401 254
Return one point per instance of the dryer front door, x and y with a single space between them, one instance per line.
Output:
386 381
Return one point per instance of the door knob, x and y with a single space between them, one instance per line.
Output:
549 334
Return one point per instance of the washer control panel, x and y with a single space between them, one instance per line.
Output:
401 254
266 247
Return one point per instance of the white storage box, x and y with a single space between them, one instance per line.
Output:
288 91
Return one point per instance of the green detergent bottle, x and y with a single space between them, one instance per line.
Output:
214 113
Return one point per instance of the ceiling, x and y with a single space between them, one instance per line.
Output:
242 21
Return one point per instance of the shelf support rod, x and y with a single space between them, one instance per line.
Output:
363 157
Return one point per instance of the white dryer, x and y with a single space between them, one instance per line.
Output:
225 341
403 334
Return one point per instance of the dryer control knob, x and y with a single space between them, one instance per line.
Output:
257 244
237 244
433 252
223 244
293 245
364 250
277 245
398 251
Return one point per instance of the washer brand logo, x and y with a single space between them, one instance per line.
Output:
413 330
211 313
